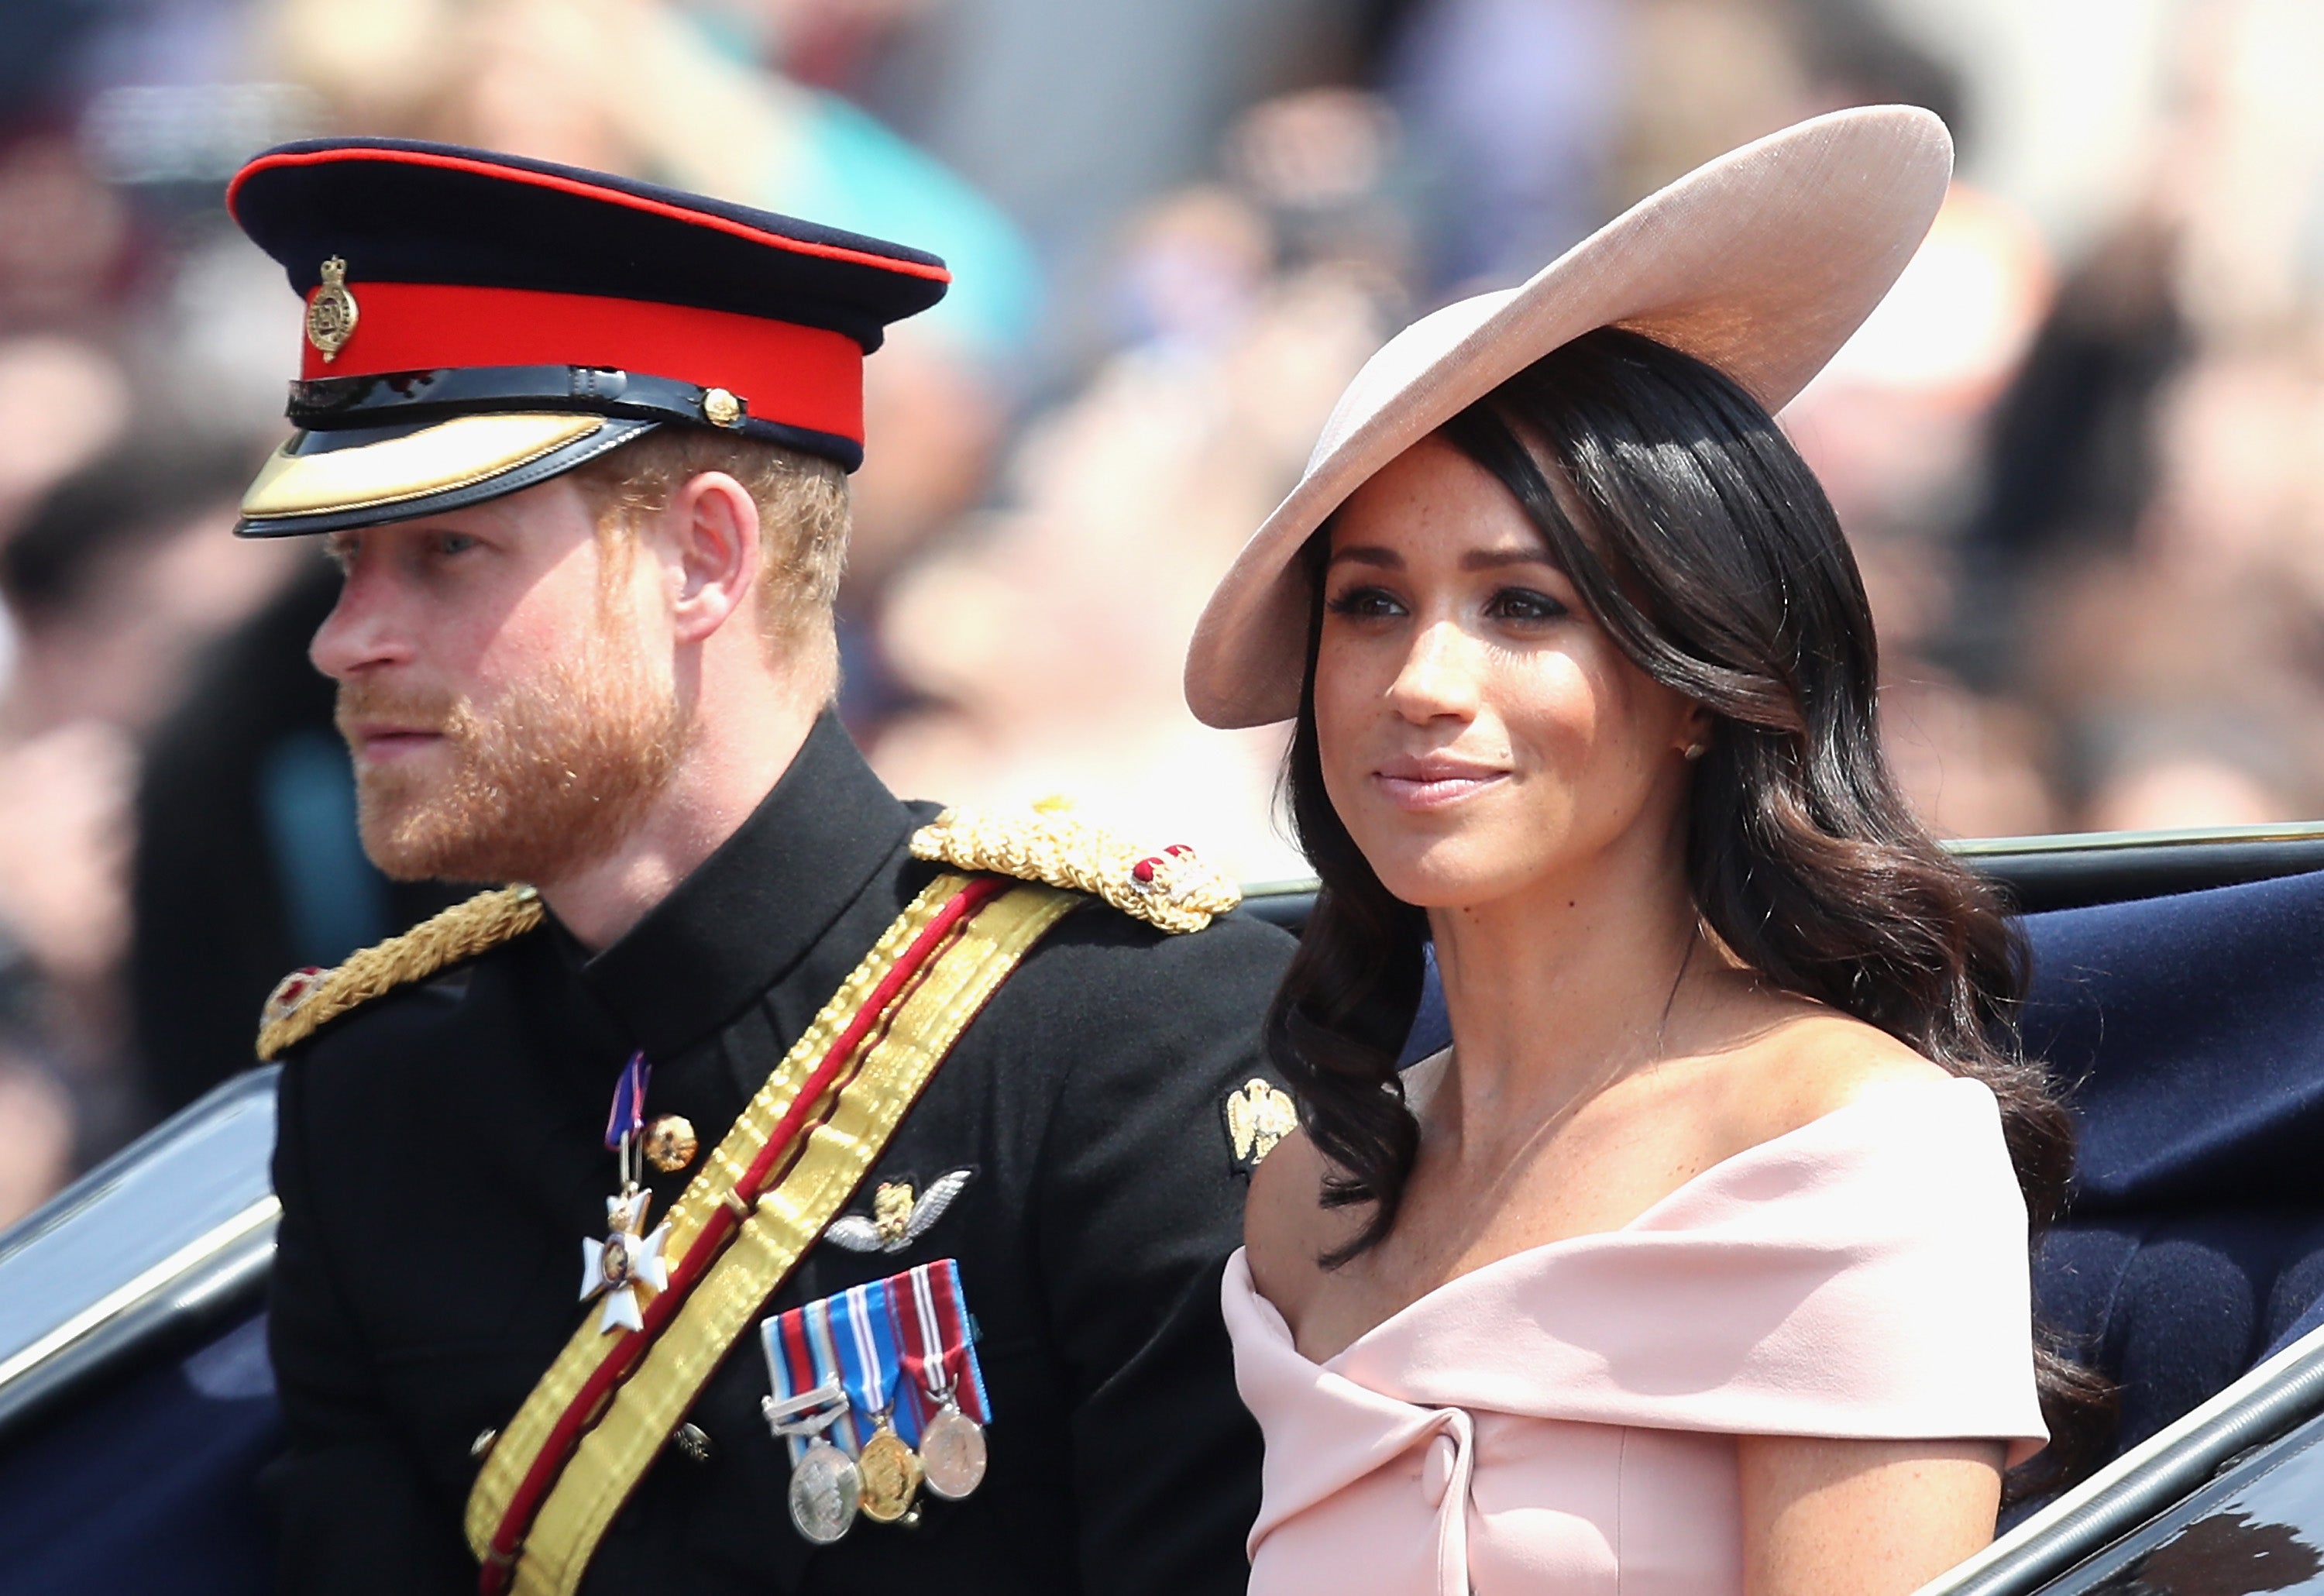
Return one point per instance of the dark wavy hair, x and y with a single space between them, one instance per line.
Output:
1708 553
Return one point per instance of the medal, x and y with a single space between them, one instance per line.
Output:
628 1261
864 1340
625 1262
826 1490
940 1358
814 1410
891 1474
877 1392
952 1452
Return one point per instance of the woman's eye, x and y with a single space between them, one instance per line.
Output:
1365 603
1525 603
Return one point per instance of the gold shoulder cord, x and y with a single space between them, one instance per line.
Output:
303 1002
645 1408
1167 887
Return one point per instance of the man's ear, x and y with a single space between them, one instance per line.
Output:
710 533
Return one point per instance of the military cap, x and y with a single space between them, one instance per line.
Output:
477 323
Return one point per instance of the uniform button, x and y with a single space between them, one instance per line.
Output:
1436 1469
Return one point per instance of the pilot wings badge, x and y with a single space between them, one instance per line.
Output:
897 1218
1259 1114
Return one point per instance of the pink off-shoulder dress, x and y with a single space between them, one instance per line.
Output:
1563 1421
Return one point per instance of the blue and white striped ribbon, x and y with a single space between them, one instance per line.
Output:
864 1340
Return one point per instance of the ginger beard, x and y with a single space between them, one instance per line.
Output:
548 782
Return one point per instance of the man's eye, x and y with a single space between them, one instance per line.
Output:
1525 603
1365 603
454 543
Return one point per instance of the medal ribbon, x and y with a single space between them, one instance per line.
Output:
627 1117
791 1373
864 1342
939 1347
825 1344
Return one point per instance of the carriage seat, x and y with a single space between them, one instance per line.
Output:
2191 1032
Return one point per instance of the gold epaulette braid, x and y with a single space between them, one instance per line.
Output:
1166 887
307 1000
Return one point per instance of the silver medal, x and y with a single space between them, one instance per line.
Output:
826 1492
951 1453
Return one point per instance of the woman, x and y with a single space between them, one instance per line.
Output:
1698 1263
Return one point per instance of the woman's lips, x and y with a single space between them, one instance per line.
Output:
1433 783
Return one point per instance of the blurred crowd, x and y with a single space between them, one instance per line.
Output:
2078 451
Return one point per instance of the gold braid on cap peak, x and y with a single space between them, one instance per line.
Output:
307 1000
1167 887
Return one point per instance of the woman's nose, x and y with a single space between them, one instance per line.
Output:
1438 676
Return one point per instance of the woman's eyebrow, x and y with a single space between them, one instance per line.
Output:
1489 560
1368 554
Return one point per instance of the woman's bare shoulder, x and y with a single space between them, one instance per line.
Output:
1820 1060
1286 1228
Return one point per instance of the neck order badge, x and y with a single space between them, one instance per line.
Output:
628 1261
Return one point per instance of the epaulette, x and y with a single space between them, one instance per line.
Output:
1168 887
307 1000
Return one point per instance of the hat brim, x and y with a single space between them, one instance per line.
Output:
332 480
1760 263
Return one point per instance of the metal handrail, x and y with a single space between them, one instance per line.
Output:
2159 1472
219 1275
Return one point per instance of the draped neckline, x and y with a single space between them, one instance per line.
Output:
1880 1095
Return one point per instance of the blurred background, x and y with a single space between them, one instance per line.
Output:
2081 450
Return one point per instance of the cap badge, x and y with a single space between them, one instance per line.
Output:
331 313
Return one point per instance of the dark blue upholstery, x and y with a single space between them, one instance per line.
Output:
2192 1030
150 1489
2210 1009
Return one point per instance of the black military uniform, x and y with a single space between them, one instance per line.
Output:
440 1155
477 324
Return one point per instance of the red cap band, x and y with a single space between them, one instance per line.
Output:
800 377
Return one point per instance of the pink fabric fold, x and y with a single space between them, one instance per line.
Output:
1862 1276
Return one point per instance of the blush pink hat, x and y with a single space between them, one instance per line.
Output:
1760 263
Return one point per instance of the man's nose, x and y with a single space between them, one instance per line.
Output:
1438 676
361 633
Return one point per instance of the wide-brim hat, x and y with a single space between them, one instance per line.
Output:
1760 263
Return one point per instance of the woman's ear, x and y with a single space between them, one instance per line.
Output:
711 532
1695 731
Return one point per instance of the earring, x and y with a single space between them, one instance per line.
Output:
1695 751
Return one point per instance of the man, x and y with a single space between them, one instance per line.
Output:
900 1181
